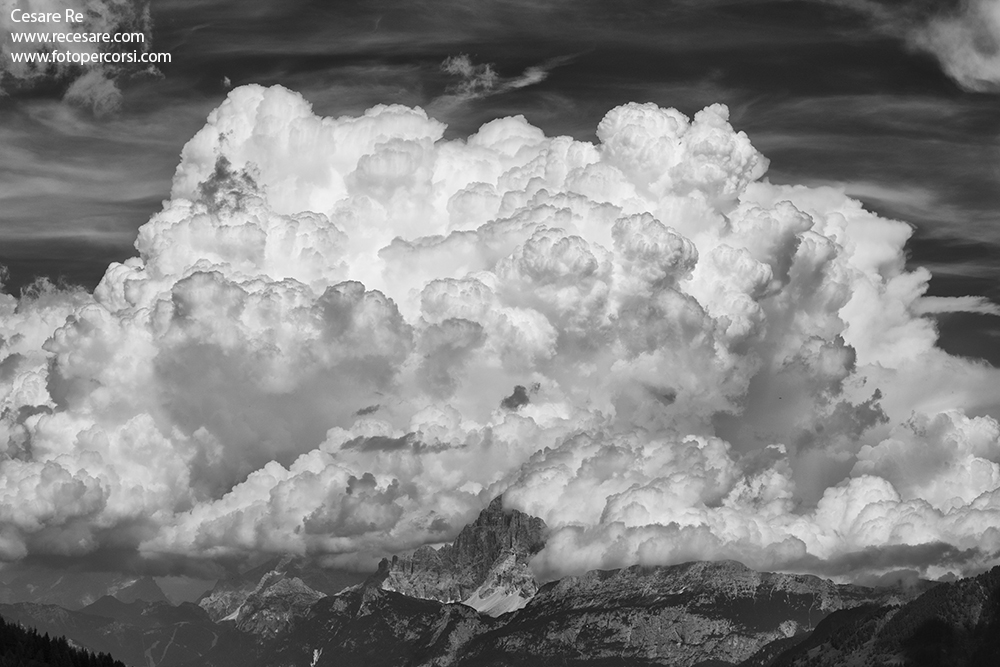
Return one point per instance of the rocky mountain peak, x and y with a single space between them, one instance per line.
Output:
273 606
493 533
485 567
229 594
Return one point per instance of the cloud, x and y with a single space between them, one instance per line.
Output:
341 334
957 304
478 81
475 80
967 42
96 91
964 35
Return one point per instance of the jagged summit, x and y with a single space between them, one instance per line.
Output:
486 566
494 531
273 606
225 600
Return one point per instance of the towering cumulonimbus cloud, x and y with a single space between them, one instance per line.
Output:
344 336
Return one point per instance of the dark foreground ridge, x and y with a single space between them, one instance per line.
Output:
20 647
291 613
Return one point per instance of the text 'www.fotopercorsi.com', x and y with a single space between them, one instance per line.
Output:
34 45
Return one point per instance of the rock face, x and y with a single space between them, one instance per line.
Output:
486 565
691 615
508 586
681 615
229 594
371 627
696 614
273 607
493 534
955 624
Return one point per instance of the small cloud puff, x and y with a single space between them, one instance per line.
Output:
477 81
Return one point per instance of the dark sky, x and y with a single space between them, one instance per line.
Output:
856 94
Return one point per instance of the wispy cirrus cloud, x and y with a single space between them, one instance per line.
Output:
475 81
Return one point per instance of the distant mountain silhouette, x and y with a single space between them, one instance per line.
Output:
229 594
75 590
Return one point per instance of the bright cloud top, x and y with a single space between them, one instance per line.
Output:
317 349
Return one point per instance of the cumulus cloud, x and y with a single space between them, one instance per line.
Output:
344 336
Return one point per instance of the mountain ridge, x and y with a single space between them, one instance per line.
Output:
955 623
75 590
490 612
229 594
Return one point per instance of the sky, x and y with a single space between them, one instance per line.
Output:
858 95
738 254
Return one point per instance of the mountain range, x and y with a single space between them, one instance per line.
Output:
75 590
475 603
